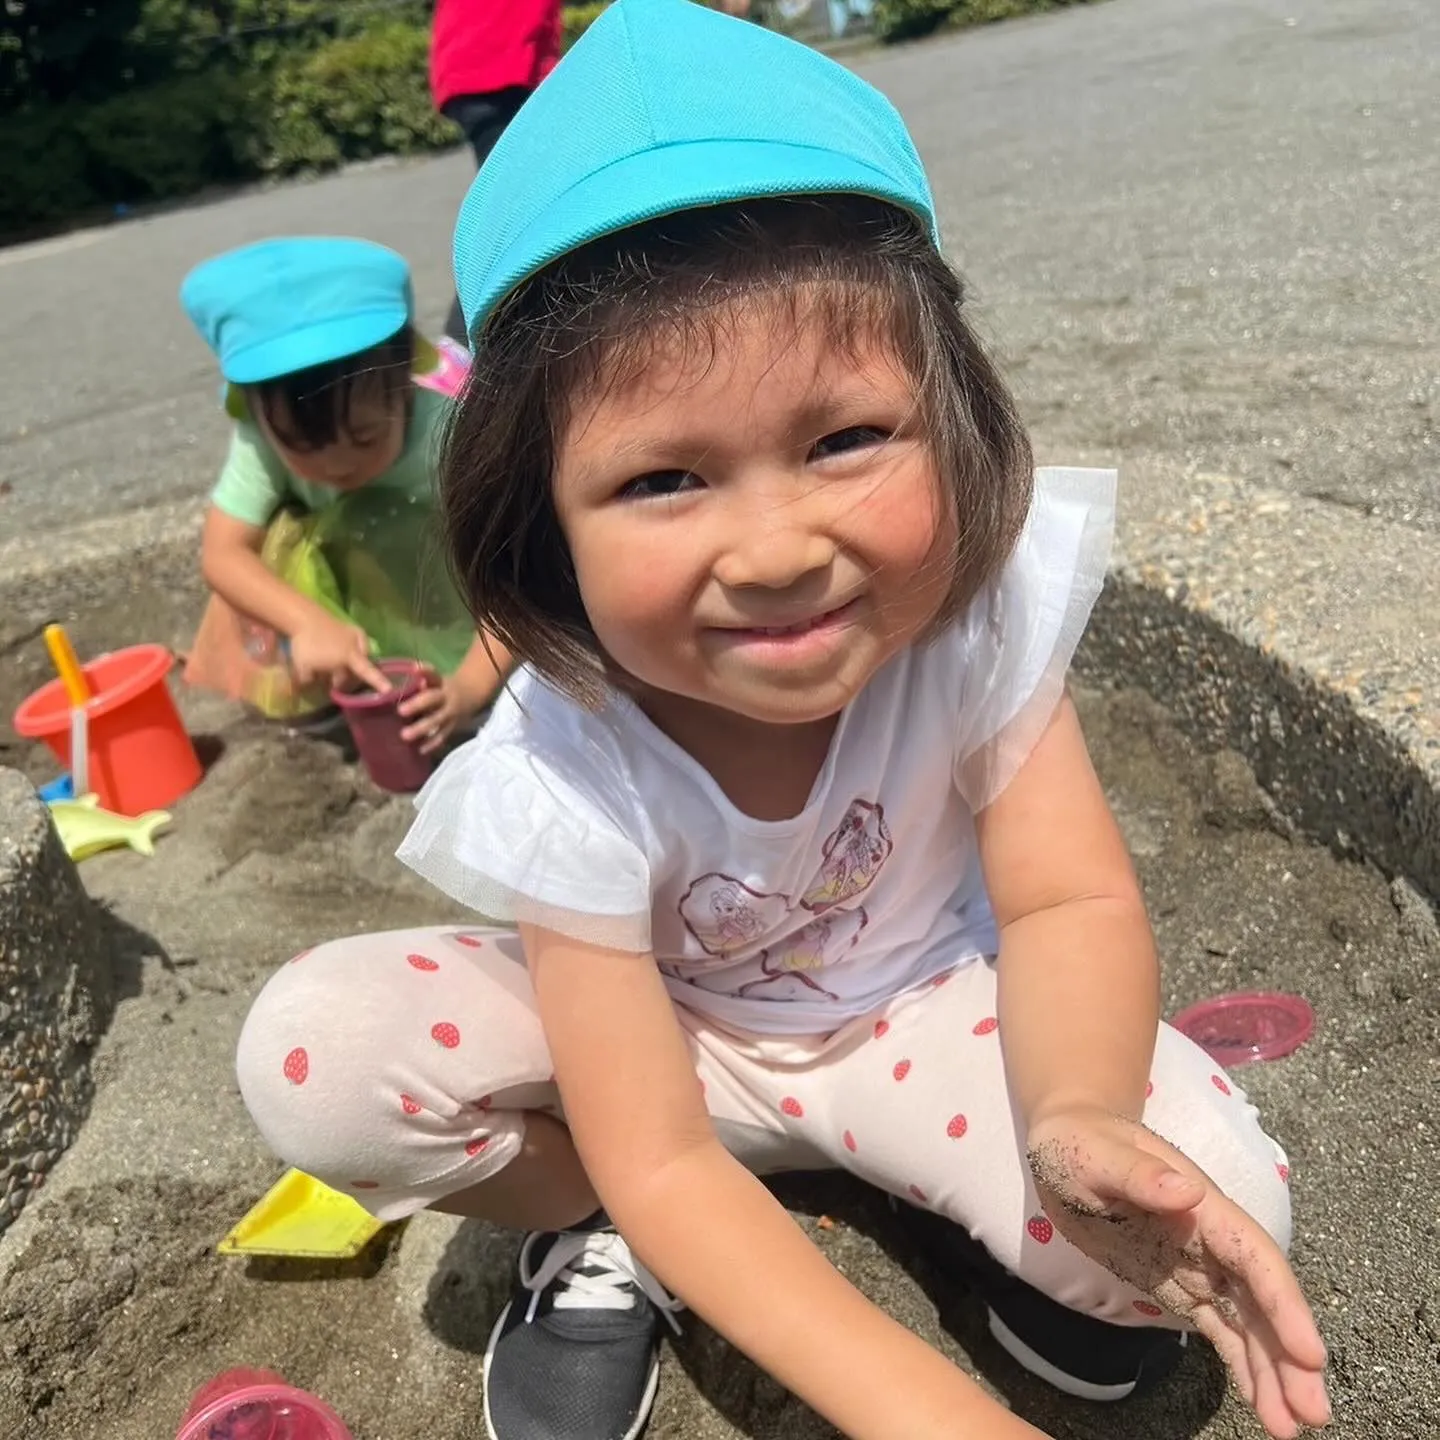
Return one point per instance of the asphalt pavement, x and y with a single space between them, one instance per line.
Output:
1201 230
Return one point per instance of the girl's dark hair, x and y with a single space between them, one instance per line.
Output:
865 270
310 409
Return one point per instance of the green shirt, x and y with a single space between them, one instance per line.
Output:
255 482
377 546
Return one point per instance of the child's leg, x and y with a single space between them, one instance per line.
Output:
400 1067
409 1069
914 1100
483 118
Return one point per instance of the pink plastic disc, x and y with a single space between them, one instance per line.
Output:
1252 1025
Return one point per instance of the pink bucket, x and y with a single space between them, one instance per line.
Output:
258 1405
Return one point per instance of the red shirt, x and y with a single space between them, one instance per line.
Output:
479 46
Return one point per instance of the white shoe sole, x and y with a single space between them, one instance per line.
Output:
1037 1365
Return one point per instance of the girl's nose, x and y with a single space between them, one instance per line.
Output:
773 557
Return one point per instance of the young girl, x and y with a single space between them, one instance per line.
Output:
800 856
318 527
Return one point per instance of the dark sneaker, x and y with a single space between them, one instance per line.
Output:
574 1355
1078 1354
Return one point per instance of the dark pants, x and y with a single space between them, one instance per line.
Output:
483 118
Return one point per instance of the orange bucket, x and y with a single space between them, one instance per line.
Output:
140 756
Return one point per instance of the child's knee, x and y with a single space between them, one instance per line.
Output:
1203 1112
375 1058
310 1054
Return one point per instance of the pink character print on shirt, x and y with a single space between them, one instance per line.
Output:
852 857
725 915
824 941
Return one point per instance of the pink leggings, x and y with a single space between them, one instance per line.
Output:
399 1068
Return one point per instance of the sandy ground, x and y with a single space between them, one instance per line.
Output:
1240 282
115 1305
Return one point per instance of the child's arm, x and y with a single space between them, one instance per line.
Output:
1078 1009
709 1229
320 645
436 711
1078 974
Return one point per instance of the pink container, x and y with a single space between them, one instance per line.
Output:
258 1405
1251 1025
375 723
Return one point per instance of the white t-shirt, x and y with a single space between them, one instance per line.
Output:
597 825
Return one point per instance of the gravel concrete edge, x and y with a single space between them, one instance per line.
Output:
56 995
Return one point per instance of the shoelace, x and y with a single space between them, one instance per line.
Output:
592 1270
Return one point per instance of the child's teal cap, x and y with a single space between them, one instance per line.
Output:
279 306
666 105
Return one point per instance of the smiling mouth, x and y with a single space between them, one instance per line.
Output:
799 627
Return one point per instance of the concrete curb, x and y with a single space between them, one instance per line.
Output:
56 995
1302 634
91 563
1333 771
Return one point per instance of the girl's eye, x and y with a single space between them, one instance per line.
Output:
857 437
660 484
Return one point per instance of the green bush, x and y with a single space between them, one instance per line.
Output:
172 138
579 18
65 160
906 19
56 51
44 169
149 99
355 98
349 98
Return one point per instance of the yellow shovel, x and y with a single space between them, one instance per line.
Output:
77 691
302 1219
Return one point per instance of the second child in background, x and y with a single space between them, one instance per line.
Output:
318 542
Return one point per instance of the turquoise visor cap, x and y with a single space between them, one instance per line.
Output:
283 305
662 106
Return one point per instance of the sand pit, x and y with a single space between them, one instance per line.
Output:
114 1306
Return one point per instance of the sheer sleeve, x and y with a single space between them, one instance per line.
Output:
1019 636
507 834
254 483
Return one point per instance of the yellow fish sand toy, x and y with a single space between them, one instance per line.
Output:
85 829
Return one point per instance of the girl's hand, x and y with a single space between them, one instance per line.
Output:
1137 1206
436 710
324 648
443 704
